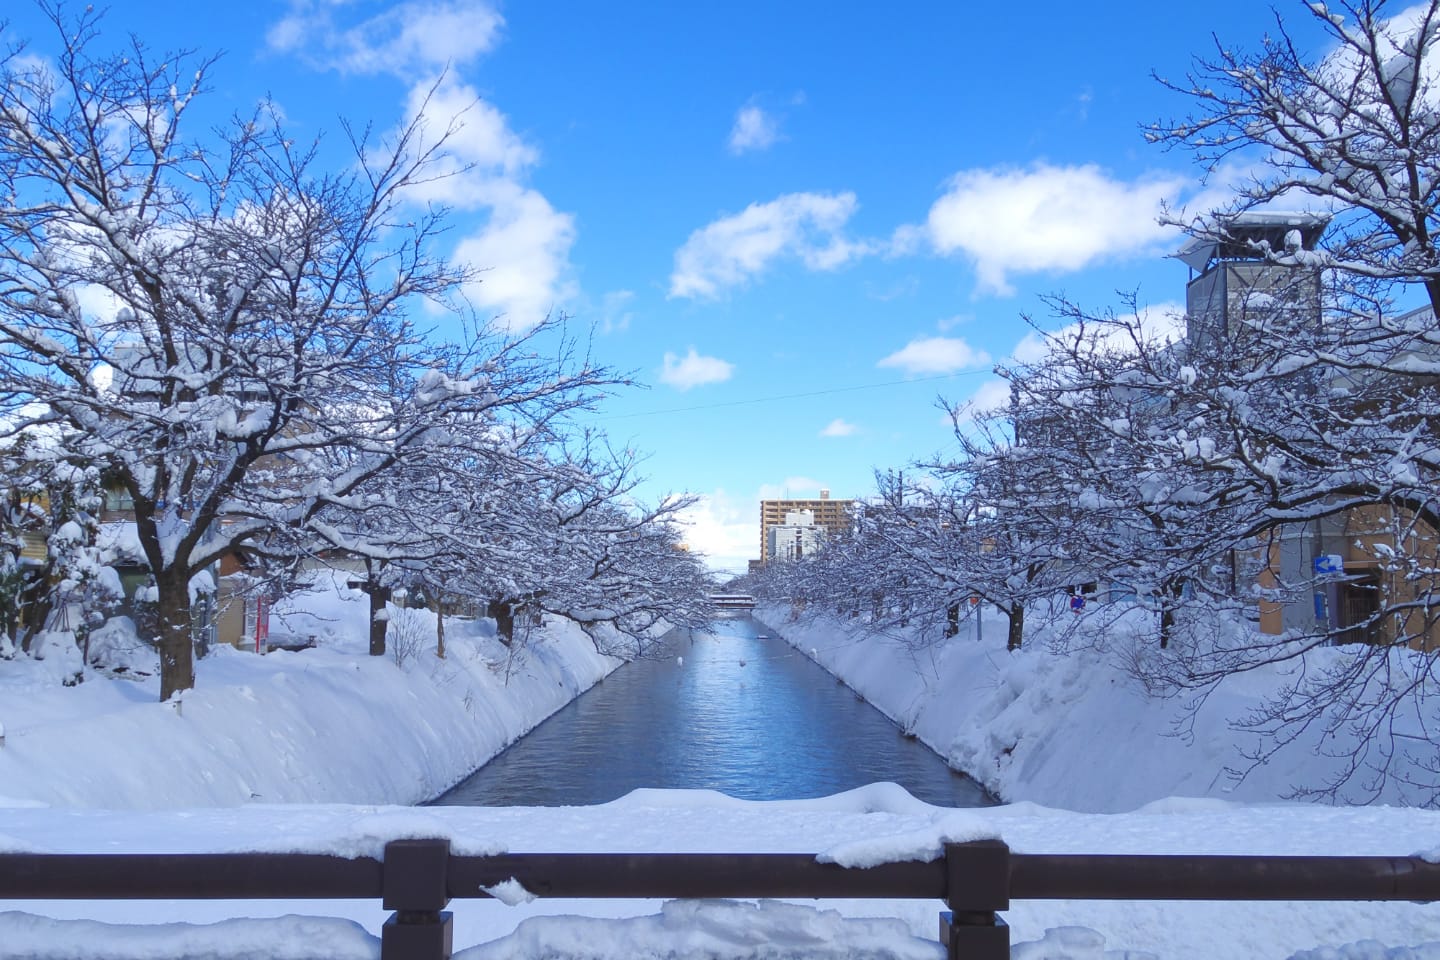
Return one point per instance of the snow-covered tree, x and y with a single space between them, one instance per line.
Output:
1354 130
1208 462
52 502
223 323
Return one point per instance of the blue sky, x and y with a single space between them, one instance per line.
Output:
797 223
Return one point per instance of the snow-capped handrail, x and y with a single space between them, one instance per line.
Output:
418 878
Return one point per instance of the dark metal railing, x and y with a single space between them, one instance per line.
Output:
418 878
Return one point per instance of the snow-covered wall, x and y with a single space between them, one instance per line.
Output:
328 724
1068 730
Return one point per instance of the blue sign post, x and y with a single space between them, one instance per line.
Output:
1326 595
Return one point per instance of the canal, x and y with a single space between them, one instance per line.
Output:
730 709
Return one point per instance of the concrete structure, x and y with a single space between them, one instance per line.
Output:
834 517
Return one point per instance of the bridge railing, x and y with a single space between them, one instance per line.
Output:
732 599
417 879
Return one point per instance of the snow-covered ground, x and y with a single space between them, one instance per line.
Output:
316 751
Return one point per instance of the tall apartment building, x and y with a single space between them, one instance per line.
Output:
799 536
834 516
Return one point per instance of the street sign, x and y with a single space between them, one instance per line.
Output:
1330 563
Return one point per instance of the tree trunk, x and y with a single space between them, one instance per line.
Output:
1016 615
177 653
504 615
379 596
440 628
1170 596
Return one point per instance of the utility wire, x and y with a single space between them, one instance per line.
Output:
793 396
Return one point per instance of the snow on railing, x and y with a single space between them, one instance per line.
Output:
417 879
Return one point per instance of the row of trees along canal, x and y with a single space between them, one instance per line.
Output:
1181 469
266 394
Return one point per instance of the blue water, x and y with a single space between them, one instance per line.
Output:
728 710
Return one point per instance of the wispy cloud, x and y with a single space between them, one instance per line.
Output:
935 355
754 129
694 370
838 428
403 39
615 315
727 253
1043 218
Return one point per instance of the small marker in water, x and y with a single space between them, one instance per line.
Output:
679 661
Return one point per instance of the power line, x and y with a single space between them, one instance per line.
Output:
792 396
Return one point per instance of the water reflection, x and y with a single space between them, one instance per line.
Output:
726 710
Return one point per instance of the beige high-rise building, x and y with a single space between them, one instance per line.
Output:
833 515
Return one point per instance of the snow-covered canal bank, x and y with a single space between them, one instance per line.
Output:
733 709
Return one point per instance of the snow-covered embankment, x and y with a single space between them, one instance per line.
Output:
324 725
1069 730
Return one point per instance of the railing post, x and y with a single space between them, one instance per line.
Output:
977 883
415 886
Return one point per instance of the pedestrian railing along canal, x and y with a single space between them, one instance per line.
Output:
417 879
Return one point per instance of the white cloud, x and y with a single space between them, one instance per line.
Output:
420 36
838 428
693 370
523 251
728 252
478 140
754 129
991 395
522 246
933 355
1045 218
1162 322
724 529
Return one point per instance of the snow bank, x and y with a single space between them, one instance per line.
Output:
325 724
715 930
1064 729
281 938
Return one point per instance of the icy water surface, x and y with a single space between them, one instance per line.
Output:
726 710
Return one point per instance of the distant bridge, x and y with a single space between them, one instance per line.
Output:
733 601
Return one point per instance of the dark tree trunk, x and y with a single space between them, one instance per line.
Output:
1170 596
1016 615
440 629
379 596
504 614
35 600
177 652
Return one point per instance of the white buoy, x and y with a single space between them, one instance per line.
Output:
679 661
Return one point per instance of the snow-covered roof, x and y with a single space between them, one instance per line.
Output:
1239 236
